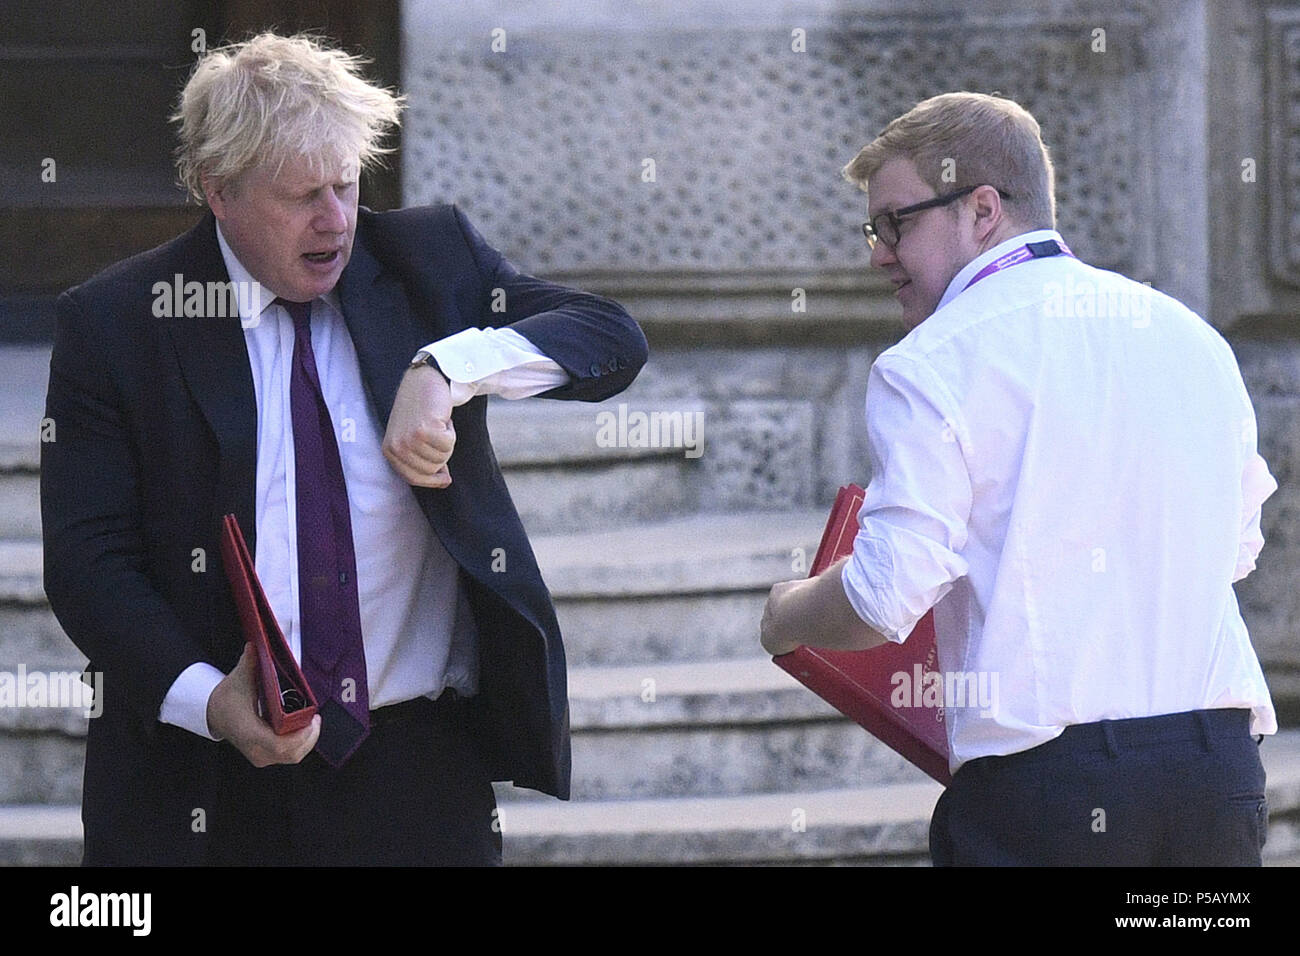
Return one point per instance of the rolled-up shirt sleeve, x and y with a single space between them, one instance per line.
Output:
913 522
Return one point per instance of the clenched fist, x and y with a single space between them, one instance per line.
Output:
420 437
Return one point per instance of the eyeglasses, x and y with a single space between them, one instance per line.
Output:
884 227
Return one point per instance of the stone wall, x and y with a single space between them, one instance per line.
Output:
1253 185
748 124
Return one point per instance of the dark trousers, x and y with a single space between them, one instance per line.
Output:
415 793
1174 790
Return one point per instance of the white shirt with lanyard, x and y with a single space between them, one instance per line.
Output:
1063 465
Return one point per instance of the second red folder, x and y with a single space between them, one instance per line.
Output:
867 685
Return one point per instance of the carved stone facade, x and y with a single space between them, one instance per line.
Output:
719 149
1284 121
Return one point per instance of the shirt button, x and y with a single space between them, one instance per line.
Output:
469 367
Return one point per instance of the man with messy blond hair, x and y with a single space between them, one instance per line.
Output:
340 416
274 98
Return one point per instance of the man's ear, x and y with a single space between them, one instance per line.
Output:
217 192
989 214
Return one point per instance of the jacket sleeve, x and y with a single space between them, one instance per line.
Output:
91 514
592 338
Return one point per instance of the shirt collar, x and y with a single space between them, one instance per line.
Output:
253 297
968 271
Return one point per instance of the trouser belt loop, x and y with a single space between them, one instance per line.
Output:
1108 732
1203 721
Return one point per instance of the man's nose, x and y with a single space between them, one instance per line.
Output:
331 214
882 255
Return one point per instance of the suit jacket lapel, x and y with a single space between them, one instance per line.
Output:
377 311
213 359
214 362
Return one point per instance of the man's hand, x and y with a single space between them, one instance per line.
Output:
420 437
815 612
778 623
232 715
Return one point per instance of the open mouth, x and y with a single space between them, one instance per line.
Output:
321 258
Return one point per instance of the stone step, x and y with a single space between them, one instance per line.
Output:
40 835
41 767
717 728
532 434
874 825
661 628
25 372
42 750
43 739
685 589
550 498
740 692
30 635
697 554
643 455
726 727
524 434
20 503
21 573
591 496
697 735
886 823
560 471
29 632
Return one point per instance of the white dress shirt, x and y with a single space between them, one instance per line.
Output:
416 623
1064 467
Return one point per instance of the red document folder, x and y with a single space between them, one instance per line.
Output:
860 684
286 697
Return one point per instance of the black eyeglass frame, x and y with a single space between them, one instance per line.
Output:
895 216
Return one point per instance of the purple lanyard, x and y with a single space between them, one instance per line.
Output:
1030 250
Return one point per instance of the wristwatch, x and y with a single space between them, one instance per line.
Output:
425 357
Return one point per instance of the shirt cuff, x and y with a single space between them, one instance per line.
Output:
186 703
865 596
494 362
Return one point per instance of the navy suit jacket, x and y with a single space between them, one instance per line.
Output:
155 428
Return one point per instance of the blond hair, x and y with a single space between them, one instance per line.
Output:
273 97
957 140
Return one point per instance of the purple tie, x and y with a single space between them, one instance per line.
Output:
333 656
